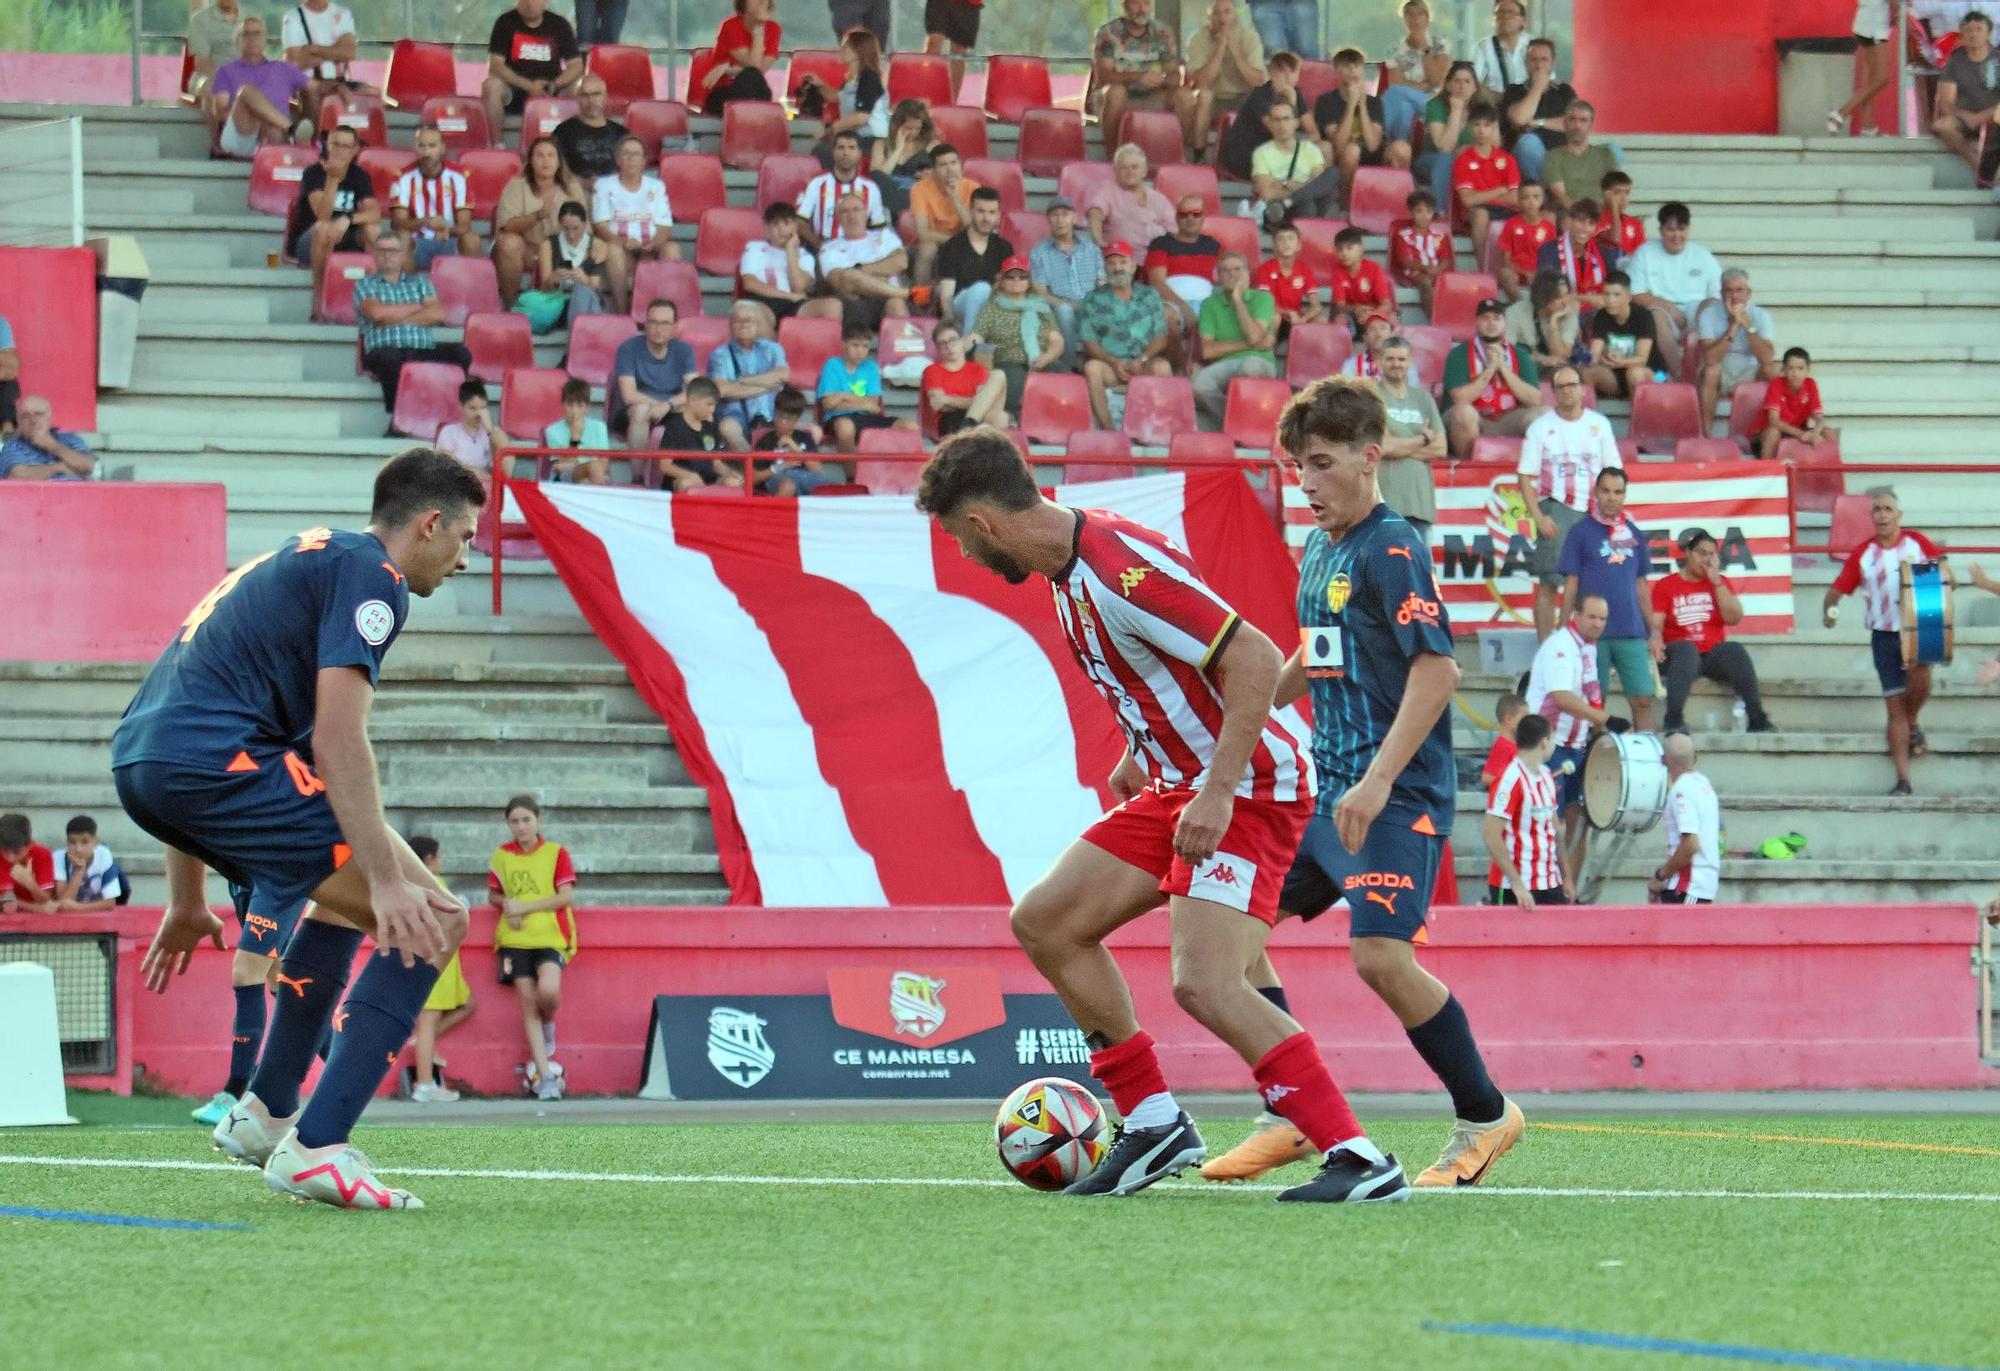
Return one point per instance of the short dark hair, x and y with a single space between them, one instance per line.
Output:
471 388
1343 410
850 135
942 151
1618 278
424 845
419 479
1350 57
856 329
977 464
522 801
1482 112
1612 178
576 391
1350 237
659 300
1508 703
1285 58
1583 208
1420 197
1617 471
15 831
791 401
986 195
1548 43
1674 214
1976 16
1530 730
701 388
81 824
1285 225
1799 353
575 207
1693 538
778 211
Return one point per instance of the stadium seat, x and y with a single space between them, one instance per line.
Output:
902 338
1663 413
921 76
962 126
1707 450
825 63
426 398
888 478
1050 139
1014 86
703 333
1095 455
1194 445
418 71
1025 227
782 178
462 121
1429 347
1158 134
694 186
1158 407
1250 415
841 488
1495 447
530 400
720 237
361 111
487 172
1177 179
1628 453
1077 181
1054 405
1317 350
1814 485
499 342
808 344
275 171
1316 78
906 229
1746 402
593 340
336 288
1235 235
465 286
676 281
751 131
1000 175
1316 245
653 122
627 73
1455 300
1852 524
383 166
185 87
1378 197
540 116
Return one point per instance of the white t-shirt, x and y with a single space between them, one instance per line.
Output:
303 28
766 262
841 251
1565 661
1565 455
1683 278
99 882
1693 808
631 213
1497 66
819 202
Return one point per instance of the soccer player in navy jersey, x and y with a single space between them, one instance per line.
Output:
266 930
1376 655
246 751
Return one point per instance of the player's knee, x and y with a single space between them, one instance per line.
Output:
1201 991
250 968
547 1001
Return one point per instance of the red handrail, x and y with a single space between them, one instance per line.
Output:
1825 546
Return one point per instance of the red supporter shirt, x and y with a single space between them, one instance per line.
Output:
42 863
1367 284
735 34
1497 761
1177 257
1628 237
1527 807
1483 171
1288 288
1877 572
1409 248
1794 407
1523 242
1688 611
962 384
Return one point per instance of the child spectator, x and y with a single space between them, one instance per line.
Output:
88 881
1485 178
31 869
692 428
1791 408
797 473
579 428
1420 247
850 389
533 884
1521 827
1623 233
958 390
1358 287
473 439
1522 239
1621 341
1507 711
449 1006
1290 281
1578 256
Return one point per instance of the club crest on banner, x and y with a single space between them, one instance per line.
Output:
736 1046
915 1004
1507 514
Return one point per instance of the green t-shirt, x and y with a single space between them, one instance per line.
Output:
1437 110
1218 322
1406 482
1580 173
1458 367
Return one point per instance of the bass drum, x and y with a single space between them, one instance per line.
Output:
1625 782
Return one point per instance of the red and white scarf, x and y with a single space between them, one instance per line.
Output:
1587 276
1497 398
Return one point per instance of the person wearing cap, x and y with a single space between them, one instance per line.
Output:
1239 326
1020 329
1377 328
1122 326
1181 267
1063 268
1490 386
969 262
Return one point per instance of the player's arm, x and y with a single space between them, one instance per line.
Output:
1680 859
184 926
1433 680
1843 585
1291 679
1246 672
1494 829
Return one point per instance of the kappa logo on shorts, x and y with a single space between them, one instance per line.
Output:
1226 879
374 621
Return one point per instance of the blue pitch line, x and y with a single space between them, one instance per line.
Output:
1721 1351
18 1211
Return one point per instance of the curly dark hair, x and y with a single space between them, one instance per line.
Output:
977 464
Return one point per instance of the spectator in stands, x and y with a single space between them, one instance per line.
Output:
88 880
530 52
599 21
1294 288
1694 608
819 202
1239 330
533 885
530 213
319 39
968 264
1063 268
903 156
1502 60
211 40
250 100
860 105
1485 177
1563 689
850 390
1021 329
796 471
10 377
952 24
431 207
1536 109
31 869
398 308
1735 337
1421 247
1225 62
1181 267
1358 287
1875 55
1968 94
1562 453
39 451
864 267
1414 439
1578 257
1604 553
1240 141
1623 233
1348 124
1123 328
1447 131
778 272
872 15
1129 210
576 264
941 204
692 428
1546 323
1137 64
629 210
589 138
1671 277
1491 387
579 428
750 369
449 1004
1522 827
1289 173
1792 408
473 438
1508 710
958 391
1412 71
1575 166
1692 873
1875 569
649 374
1291 24
1521 241
1621 341
1377 328
336 210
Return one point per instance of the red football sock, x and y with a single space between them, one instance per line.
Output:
1131 1071
1294 1082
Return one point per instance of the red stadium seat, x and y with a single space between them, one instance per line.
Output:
1050 138
1493 447
694 80
1235 235
1628 453
336 288
903 338
653 122
675 281
1024 228
962 126
1315 79
753 130
275 172
357 110
782 178
426 398
704 333
1814 487
383 166
531 400
1197 446
1003 176
1054 406
888 478
417 71
1250 416
1158 407
1095 455
1158 134
627 73
1746 404
921 76
808 344
540 116
1177 179
465 286
462 121
1455 300
487 172
187 74
593 341
499 343
720 238
1316 245
1852 524
694 186
1379 197
1707 450
1318 350
1429 347
825 63
1663 413
1016 85
1077 181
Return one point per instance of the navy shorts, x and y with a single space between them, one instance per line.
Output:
1569 789
1387 884
271 829
1888 648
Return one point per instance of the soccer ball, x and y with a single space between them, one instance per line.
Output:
1050 1132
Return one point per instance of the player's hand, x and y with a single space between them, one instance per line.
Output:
182 929
1655 887
1128 778
1358 808
1203 823
406 919
1657 646
1523 896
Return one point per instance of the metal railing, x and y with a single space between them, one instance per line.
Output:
1871 474
42 167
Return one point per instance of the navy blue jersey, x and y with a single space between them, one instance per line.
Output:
241 673
1367 608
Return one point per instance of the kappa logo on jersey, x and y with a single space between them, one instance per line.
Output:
1129 578
736 1046
914 1003
374 621
1416 609
1338 591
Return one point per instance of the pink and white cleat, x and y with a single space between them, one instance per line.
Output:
336 1174
248 1133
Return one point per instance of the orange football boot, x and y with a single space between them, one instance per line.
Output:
1274 1144
1470 1152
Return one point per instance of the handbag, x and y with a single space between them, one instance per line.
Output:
543 308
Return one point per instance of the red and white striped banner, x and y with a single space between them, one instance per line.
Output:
875 719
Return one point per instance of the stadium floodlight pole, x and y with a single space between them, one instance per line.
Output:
1900 37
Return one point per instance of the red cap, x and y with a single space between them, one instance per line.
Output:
1014 263
1118 249
1372 315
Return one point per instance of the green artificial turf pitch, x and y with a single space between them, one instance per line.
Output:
540 1270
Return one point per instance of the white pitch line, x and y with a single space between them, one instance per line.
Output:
994 1183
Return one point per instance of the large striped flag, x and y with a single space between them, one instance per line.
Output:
875 719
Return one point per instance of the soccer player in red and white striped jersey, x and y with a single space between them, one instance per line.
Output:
1523 832
432 205
1215 793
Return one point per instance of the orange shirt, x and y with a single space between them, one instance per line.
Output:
928 200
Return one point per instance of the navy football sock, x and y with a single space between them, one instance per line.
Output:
246 1037
374 1024
310 979
1445 1043
1276 995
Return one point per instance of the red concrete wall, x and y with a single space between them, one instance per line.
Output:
51 301
1746 998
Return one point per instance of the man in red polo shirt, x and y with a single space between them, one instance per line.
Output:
1290 281
1485 177
1358 287
1694 607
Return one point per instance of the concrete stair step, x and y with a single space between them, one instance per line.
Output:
467 706
1845 706
1809 880
589 767
644 846
442 633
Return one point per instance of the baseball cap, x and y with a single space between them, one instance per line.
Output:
1490 306
1061 202
1372 315
1121 248
1014 263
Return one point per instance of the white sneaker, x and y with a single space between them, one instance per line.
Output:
550 1087
430 1093
249 1134
337 1175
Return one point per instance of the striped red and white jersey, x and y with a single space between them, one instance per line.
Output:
1526 801
1146 630
1877 572
431 197
1565 661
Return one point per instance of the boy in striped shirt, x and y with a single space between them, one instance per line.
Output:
432 205
1521 827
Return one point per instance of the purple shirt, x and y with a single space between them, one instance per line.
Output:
278 82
